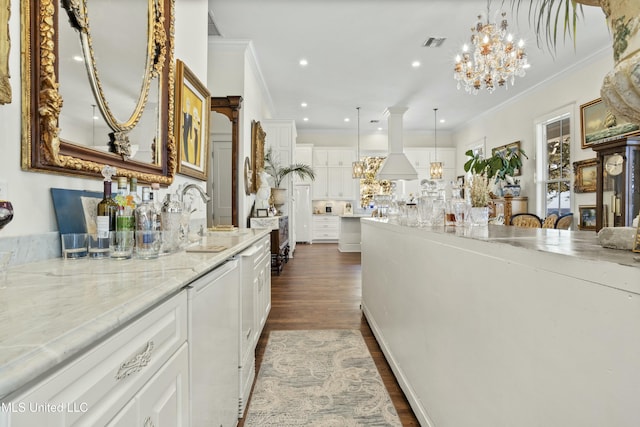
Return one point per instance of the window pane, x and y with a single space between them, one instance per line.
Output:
553 199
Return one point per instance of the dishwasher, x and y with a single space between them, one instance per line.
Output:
213 303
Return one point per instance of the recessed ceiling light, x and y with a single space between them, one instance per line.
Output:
442 120
303 62
306 119
347 119
380 129
304 104
78 58
415 64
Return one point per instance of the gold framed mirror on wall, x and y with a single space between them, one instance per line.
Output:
98 87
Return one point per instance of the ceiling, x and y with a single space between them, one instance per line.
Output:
360 52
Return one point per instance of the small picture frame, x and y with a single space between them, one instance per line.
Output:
588 215
262 213
585 175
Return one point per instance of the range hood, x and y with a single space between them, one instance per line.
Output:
396 165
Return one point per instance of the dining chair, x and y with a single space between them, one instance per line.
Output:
564 221
527 220
550 221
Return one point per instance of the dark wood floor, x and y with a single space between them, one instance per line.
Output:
320 289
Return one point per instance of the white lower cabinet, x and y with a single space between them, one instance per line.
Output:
111 379
163 400
256 269
325 227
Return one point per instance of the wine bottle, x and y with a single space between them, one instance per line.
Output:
106 215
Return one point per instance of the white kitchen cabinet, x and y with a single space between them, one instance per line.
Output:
320 187
281 137
263 294
110 378
421 159
163 400
304 155
333 174
256 266
340 184
326 227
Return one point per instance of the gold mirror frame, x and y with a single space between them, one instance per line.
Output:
155 61
42 149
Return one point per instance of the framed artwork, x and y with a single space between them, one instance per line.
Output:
514 146
585 175
587 217
5 46
262 213
599 125
257 153
192 123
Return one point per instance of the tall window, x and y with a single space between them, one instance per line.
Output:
555 150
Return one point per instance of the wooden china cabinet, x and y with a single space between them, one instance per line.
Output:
618 182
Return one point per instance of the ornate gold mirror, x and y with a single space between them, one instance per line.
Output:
98 87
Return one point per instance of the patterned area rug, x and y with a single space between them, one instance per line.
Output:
319 378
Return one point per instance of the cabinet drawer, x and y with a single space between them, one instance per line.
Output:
328 219
93 388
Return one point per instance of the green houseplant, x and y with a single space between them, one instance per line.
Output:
278 172
501 166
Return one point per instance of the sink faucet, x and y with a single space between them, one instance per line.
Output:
205 197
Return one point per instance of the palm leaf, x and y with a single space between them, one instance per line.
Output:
550 18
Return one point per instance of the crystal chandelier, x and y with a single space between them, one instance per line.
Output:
357 167
435 168
495 58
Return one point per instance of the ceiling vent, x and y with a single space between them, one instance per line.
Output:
213 28
434 42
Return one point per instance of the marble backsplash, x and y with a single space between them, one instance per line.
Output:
32 247
39 247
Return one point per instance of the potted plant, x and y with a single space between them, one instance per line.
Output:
623 19
501 166
278 173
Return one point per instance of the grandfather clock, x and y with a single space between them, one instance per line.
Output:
618 184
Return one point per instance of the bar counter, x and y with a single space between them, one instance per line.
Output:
504 326
54 310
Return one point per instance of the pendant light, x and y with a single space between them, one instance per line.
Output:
435 168
357 167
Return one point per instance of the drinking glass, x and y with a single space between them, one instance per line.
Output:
75 245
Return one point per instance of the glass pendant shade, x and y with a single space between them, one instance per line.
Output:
435 170
357 169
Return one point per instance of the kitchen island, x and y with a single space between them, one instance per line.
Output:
349 232
505 326
61 316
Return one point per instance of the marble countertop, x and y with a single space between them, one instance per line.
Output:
575 253
54 309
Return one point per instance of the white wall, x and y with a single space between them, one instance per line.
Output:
29 192
514 120
233 71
